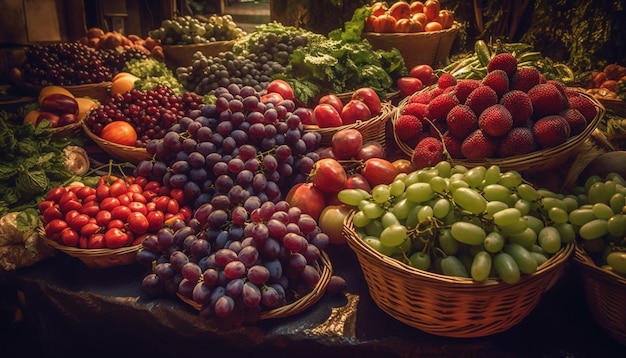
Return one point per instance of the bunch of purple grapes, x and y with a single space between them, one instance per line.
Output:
239 148
236 263
151 112
72 63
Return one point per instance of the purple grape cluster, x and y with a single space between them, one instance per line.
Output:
236 263
151 112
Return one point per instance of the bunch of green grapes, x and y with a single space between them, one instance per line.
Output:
480 222
187 30
600 221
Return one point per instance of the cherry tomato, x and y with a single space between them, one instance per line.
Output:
55 226
136 206
109 203
281 87
152 186
51 213
135 188
138 223
124 199
90 209
120 212
118 188
116 224
71 205
85 191
103 217
55 194
115 238
43 205
89 229
70 215
120 132
78 221
177 194
69 237
156 220
96 241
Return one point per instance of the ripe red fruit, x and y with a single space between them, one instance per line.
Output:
439 106
551 131
583 105
547 100
479 146
495 120
370 98
464 87
519 105
424 73
409 85
428 152
379 171
328 175
524 79
333 100
481 98
461 121
346 143
408 127
576 120
498 80
503 61
281 87
446 80
326 115
355 111
517 141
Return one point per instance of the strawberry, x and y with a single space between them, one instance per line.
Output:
446 80
577 122
464 87
439 106
547 100
551 131
498 80
453 145
495 120
421 97
479 146
583 105
519 105
419 110
503 61
559 85
408 127
481 98
428 152
524 79
461 121
517 141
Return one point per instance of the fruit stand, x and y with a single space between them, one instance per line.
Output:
206 189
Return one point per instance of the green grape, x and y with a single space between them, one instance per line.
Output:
374 228
506 217
452 266
454 184
617 261
458 168
494 242
444 168
401 177
595 229
545 193
510 179
412 178
493 207
617 178
590 181
424 214
566 231
381 193
420 260
581 216
496 192
539 258
492 174
393 235
375 244
360 220
468 233
523 206
439 184
617 202
527 192
600 192
389 219
602 211
352 197
522 257
363 203
525 238
549 203
447 243
549 239
616 225
516 227
419 192
481 266
558 215
475 176
506 268
470 200
511 200
441 208
426 174
582 199
373 210
402 208
396 188
534 223
537 248
411 219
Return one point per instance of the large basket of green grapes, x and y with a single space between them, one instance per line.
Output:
459 252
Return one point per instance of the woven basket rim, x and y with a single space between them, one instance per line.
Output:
586 262
17 78
87 253
108 146
536 157
201 45
451 282
454 28
299 305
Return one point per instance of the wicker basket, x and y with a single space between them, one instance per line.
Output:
182 55
430 47
118 151
604 292
372 130
68 131
326 271
98 258
99 91
542 159
451 306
